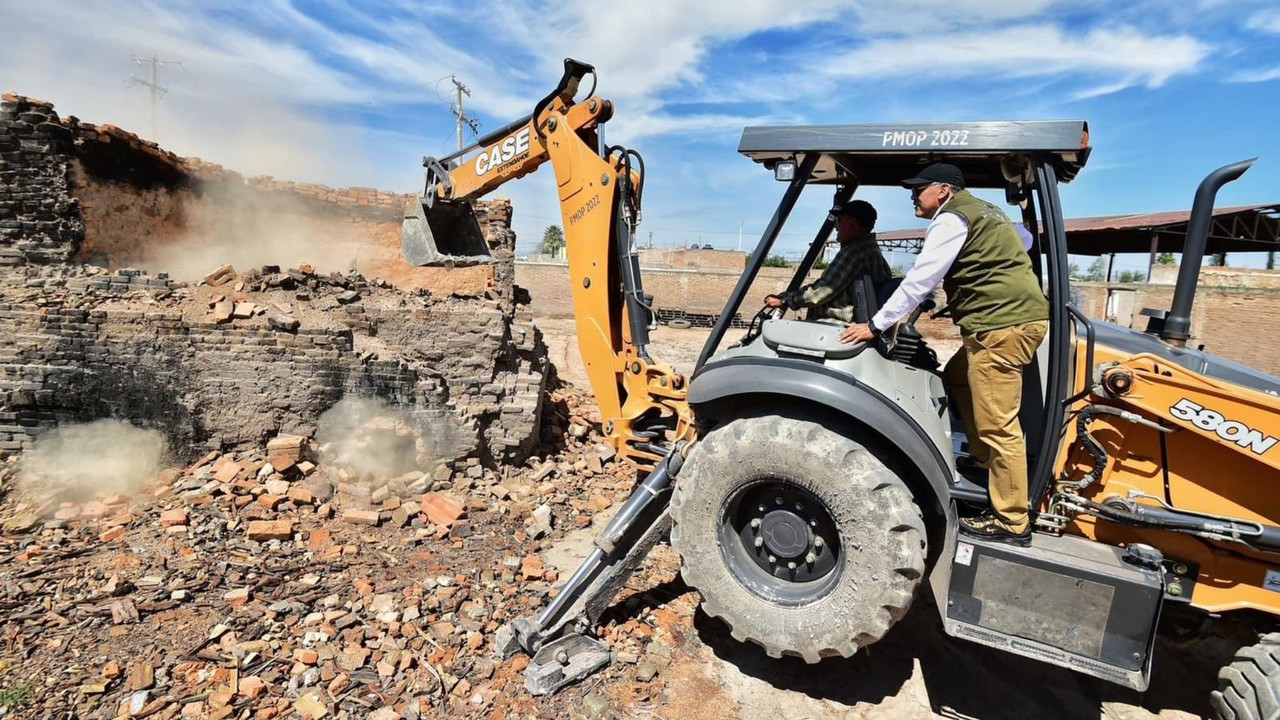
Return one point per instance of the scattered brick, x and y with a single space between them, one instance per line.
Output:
263 530
441 510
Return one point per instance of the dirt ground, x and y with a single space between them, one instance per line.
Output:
915 672
233 588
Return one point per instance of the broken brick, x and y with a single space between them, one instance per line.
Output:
531 568
361 517
441 510
220 276
262 530
177 516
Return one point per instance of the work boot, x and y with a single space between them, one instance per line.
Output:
991 528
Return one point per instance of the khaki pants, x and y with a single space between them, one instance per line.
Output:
985 382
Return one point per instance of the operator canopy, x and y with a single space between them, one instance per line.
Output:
990 154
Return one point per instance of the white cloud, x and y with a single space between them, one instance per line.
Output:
1255 76
288 89
1265 21
1126 54
908 17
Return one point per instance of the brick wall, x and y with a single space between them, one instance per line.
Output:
39 217
75 191
695 291
1237 323
140 348
454 348
694 258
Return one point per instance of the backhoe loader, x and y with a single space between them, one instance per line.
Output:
811 487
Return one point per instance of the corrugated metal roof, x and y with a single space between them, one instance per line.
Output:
1243 228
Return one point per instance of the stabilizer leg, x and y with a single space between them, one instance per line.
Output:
563 652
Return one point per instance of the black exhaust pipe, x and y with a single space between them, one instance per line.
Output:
1177 325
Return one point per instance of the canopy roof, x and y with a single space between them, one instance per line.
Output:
986 152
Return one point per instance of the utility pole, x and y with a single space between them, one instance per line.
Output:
463 120
156 89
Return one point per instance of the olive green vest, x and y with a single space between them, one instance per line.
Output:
991 285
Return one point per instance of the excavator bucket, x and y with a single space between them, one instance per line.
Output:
442 232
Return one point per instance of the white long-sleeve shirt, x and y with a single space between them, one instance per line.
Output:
942 242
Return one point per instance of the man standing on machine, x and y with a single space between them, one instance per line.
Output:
979 256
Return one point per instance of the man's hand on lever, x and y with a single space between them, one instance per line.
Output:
774 301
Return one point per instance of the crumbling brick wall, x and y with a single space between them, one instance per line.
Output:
39 217
470 378
459 353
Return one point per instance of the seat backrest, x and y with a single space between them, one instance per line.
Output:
864 304
885 290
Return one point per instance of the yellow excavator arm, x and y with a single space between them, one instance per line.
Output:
642 402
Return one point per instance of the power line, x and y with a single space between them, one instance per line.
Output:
157 90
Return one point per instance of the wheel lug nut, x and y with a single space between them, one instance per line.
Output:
810 558
817 542
773 560
759 542
791 565
755 522
777 501
813 523
799 506
761 508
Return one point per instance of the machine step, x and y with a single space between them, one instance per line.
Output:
1064 600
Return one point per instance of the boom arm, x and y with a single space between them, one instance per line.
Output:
642 402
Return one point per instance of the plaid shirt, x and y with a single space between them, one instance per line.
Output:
833 293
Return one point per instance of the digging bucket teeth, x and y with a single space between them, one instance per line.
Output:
442 232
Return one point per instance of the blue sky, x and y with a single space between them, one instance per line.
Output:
353 94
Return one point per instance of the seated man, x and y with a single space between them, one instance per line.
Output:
833 293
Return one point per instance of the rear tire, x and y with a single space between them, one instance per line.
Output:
1249 688
800 481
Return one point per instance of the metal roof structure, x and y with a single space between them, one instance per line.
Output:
1243 228
888 154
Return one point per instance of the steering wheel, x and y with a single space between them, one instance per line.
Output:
757 323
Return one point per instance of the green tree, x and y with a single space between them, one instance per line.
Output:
1164 259
552 240
821 264
776 261
1132 276
1097 271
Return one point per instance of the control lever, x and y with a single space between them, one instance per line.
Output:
921 309
909 346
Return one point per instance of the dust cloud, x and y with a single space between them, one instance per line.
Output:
248 229
370 439
76 462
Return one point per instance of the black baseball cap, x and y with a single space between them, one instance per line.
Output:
937 173
862 210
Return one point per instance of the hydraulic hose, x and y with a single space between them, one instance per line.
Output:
1264 538
1094 448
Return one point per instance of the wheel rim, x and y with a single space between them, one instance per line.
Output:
780 542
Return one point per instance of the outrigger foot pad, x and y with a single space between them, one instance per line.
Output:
565 661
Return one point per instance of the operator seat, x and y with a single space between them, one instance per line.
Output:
868 297
885 290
